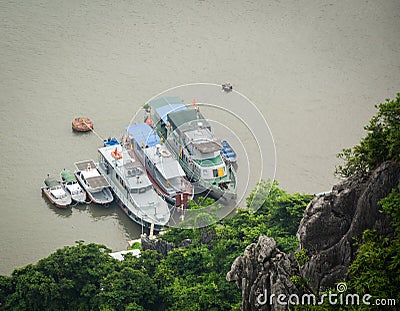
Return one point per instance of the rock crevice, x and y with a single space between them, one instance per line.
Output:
330 227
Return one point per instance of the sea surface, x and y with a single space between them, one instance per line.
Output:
314 70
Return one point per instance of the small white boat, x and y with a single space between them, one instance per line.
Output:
72 186
227 152
56 193
96 186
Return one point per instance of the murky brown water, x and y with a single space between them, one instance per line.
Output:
313 68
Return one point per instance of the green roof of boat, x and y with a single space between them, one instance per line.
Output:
68 176
163 101
210 162
181 117
51 182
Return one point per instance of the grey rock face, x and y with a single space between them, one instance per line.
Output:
158 245
331 225
261 271
161 246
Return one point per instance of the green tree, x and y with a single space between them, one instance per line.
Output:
127 287
381 143
68 279
376 268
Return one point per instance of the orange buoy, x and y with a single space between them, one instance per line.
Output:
82 124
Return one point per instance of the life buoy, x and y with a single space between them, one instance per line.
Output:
164 153
115 154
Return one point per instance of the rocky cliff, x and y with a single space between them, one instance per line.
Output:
159 245
331 226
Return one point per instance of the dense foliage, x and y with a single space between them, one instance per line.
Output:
85 277
376 268
381 143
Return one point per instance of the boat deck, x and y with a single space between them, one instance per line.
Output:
97 182
83 165
93 177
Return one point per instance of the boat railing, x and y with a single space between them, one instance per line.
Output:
126 198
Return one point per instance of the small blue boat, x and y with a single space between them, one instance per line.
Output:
227 153
111 142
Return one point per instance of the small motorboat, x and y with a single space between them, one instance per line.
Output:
227 153
56 193
72 186
110 142
95 184
82 124
227 87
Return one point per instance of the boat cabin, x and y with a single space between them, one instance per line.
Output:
127 170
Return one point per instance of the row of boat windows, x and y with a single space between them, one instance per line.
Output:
132 190
121 180
218 172
207 173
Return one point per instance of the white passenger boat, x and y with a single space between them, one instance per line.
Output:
132 188
164 170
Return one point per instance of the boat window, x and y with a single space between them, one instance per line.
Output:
142 190
133 190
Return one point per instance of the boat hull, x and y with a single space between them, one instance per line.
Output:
103 197
80 198
136 219
131 212
60 203
151 173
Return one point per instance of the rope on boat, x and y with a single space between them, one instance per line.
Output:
94 131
